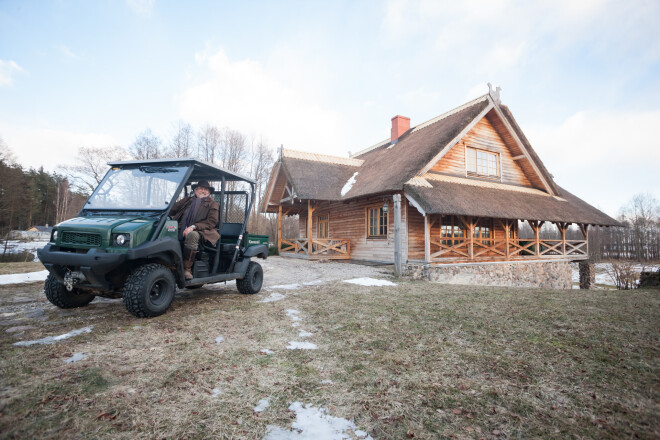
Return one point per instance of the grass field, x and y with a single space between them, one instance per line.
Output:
417 360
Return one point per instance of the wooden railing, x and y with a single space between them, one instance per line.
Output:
443 249
331 248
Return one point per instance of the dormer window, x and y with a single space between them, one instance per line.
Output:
482 163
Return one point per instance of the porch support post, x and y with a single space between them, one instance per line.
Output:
427 238
562 230
396 198
507 230
470 224
279 228
309 227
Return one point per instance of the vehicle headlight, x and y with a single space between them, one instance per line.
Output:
53 236
121 239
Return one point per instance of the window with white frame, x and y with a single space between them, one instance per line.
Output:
482 163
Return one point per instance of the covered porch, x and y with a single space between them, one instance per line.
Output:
310 247
464 239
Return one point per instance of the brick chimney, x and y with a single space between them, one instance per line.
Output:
400 124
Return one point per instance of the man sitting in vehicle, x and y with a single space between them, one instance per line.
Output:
197 216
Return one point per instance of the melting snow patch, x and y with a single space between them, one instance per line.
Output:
315 423
314 283
216 392
370 282
286 286
54 339
304 334
18 278
219 339
262 405
266 351
348 185
293 314
76 357
327 382
273 297
293 345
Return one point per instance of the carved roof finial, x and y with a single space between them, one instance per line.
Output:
495 94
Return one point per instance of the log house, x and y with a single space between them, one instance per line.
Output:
464 179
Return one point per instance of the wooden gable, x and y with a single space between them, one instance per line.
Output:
490 133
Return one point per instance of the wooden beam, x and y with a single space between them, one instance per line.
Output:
396 198
310 211
522 156
427 239
279 228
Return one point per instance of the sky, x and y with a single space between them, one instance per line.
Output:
581 77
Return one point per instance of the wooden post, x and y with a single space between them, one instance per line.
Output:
507 231
309 227
562 230
397 234
537 239
279 228
427 239
470 225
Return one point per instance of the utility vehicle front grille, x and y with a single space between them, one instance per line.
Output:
81 238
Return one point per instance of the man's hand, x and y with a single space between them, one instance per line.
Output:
188 230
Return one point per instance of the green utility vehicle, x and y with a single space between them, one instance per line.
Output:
122 244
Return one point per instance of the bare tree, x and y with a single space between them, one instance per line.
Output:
261 162
642 214
91 166
234 150
6 155
146 146
182 143
208 142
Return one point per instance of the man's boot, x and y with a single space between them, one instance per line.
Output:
188 260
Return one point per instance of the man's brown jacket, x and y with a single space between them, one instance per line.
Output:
205 221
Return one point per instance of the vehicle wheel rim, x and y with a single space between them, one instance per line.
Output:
158 292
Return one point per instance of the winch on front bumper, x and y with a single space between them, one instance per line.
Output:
68 267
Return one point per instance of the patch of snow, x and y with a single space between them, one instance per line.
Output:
262 405
315 423
286 286
370 282
273 297
304 334
76 357
19 278
327 382
348 185
295 345
216 392
54 339
293 314
266 351
314 283
219 339
16 246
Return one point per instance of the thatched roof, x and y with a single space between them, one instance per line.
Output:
462 196
401 166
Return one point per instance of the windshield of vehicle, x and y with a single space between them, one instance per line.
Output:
145 187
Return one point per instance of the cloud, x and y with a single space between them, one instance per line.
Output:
141 7
49 148
606 157
64 50
245 96
7 70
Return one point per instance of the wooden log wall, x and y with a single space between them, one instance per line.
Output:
485 137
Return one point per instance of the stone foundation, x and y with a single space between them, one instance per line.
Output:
544 274
587 274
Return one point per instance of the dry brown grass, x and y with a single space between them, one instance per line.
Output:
8 268
413 361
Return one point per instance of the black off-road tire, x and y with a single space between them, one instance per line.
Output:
149 290
62 298
254 278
